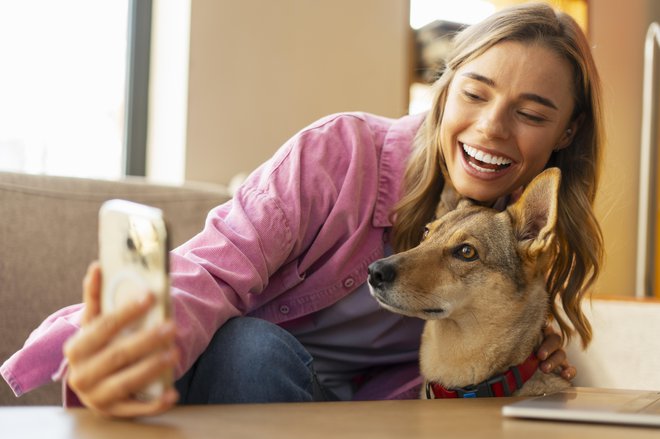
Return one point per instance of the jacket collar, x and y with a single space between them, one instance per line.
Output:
504 384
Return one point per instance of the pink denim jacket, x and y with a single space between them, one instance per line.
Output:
297 236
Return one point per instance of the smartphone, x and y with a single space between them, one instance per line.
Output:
133 254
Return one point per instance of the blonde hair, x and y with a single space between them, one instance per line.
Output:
579 239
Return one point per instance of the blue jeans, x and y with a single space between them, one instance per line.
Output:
251 360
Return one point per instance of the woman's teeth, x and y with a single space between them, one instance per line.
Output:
483 161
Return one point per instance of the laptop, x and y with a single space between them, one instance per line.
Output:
589 404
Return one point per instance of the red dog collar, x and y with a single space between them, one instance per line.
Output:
500 385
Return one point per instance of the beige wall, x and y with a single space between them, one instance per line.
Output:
261 70
617 31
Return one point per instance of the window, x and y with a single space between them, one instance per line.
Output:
62 86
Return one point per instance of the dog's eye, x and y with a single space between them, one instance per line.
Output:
425 233
466 252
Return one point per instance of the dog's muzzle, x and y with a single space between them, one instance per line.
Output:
381 274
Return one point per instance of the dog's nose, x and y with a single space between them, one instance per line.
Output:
380 273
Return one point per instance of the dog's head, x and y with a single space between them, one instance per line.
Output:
475 259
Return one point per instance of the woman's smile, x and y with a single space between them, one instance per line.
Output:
484 162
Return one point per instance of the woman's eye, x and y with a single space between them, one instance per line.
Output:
425 233
466 252
471 96
532 117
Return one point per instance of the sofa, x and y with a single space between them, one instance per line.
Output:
48 236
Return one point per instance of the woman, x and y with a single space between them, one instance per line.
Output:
270 299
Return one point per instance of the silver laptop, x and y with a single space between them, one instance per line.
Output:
586 404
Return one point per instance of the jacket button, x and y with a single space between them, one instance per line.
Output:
349 282
284 309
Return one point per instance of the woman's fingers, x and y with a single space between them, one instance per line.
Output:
134 409
554 361
121 353
568 372
100 331
551 343
553 357
558 363
91 293
121 386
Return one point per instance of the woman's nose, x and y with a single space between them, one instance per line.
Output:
493 122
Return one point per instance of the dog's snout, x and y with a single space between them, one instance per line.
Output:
381 273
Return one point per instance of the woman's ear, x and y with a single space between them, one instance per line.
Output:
569 133
566 138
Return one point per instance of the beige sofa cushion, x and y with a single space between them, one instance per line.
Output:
625 350
48 236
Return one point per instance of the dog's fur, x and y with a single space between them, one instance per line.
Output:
485 311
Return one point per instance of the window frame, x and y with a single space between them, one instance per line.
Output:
138 61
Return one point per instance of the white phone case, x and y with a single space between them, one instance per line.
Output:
133 253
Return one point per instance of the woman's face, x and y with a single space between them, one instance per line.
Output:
505 113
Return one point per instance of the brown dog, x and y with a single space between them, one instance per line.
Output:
478 278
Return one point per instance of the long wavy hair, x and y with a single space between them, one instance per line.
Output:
579 251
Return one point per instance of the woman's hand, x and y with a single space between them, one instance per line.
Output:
552 355
105 372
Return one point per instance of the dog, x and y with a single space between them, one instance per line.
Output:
478 279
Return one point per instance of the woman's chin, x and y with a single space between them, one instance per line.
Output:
482 187
485 194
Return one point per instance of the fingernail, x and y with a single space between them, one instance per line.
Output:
547 367
543 354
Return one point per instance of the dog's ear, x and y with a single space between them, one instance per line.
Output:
534 214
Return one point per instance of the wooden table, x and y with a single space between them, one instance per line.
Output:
465 418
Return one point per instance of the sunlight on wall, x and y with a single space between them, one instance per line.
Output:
168 92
